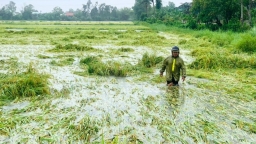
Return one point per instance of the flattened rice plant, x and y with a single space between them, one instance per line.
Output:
27 84
220 59
71 47
95 66
150 60
64 62
126 49
85 130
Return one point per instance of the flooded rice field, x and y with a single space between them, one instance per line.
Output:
137 108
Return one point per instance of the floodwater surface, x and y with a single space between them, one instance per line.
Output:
125 108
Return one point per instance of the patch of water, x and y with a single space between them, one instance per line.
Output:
131 57
14 106
139 31
128 107
103 30
15 30
122 30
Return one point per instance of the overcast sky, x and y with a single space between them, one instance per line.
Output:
48 5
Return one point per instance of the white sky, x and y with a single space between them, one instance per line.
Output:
48 5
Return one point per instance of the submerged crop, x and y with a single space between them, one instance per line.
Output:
98 82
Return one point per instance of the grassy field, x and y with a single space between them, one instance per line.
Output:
98 82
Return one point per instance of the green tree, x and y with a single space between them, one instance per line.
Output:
171 5
114 14
159 4
10 9
79 14
209 11
102 11
95 12
27 12
141 9
56 13
2 13
87 9
125 14
248 6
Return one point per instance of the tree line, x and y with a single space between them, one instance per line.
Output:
87 12
236 15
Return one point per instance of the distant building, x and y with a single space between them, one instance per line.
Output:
69 14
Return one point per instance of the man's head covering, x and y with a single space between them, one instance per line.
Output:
175 49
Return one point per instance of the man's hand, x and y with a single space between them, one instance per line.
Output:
183 78
170 84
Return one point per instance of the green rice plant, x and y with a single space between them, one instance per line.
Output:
124 35
117 69
158 79
10 64
247 44
208 127
250 127
71 47
85 130
67 61
43 56
150 60
126 49
27 84
86 36
223 39
66 39
109 69
54 63
88 60
6 125
202 74
151 39
10 122
219 58
95 66
182 41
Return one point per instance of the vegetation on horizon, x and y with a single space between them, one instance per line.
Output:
224 15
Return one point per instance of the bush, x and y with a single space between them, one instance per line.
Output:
235 26
192 24
247 44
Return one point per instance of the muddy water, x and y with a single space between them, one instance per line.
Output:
127 107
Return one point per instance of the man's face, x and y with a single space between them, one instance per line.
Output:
175 53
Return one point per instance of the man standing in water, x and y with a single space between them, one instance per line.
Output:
174 65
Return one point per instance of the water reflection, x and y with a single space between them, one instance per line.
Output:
175 97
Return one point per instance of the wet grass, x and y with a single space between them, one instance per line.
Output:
64 62
25 84
95 66
70 48
121 98
126 49
86 129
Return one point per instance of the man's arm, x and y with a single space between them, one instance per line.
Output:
183 70
163 67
